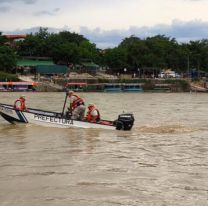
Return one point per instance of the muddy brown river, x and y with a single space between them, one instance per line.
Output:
162 161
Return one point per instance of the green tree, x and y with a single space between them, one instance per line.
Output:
204 55
89 51
64 47
66 53
2 39
116 58
133 52
198 51
183 57
35 45
136 51
7 59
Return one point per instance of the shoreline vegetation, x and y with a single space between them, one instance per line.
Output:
4 77
52 58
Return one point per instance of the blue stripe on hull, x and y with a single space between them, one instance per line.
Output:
24 117
21 116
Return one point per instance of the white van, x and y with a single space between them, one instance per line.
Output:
169 74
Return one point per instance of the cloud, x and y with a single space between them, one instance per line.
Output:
7 5
24 1
29 1
36 29
4 9
46 12
181 31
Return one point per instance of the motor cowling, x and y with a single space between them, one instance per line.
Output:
125 121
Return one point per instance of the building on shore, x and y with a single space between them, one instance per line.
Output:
40 67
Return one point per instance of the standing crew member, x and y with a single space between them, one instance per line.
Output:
20 103
77 107
93 114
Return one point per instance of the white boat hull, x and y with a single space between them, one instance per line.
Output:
48 119
62 122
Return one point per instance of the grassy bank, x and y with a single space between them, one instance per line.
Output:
6 77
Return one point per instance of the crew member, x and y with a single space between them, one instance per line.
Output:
20 103
93 114
77 106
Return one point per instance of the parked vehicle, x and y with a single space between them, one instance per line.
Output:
169 74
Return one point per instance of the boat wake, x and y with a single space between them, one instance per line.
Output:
167 129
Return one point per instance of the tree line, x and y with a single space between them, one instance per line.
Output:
132 53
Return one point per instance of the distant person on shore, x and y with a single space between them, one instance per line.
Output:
20 103
93 114
77 106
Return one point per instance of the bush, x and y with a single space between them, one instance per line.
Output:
180 84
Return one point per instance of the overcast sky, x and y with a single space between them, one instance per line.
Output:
107 22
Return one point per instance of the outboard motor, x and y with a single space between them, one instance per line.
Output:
125 121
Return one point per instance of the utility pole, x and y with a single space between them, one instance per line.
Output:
188 66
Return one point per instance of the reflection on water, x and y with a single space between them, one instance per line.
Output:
162 161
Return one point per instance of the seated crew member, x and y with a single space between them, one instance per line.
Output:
93 114
77 107
20 103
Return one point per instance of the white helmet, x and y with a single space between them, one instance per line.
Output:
22 96
70 92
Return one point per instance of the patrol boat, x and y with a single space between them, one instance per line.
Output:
124 121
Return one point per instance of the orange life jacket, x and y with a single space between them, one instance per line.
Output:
77 102
91 118
20 107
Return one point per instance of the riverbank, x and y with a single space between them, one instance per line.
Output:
88 83
147 85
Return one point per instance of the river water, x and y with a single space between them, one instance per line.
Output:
162 161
